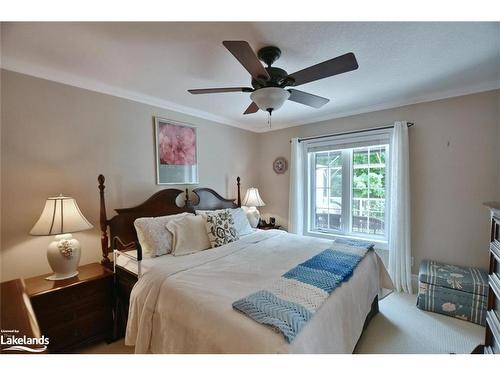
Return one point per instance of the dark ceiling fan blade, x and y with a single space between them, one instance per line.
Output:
337 65
252 108
247 57
308 99
219 90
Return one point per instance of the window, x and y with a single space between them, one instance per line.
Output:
347 186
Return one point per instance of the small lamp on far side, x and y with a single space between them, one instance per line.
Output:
252 200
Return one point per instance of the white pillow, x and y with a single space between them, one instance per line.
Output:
189 234
241 223
154 238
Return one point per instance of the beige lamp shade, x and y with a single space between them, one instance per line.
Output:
252 198
60 215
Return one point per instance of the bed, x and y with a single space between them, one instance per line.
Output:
184 304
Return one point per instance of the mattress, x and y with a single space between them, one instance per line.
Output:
131 265
184 304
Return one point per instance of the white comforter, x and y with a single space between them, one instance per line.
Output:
183 304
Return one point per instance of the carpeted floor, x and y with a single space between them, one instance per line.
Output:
400 327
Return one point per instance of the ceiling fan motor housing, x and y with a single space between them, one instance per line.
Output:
278 79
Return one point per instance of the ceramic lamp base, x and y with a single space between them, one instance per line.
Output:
253 216
63 255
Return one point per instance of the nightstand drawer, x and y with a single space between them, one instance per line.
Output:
496 231
97 291
69 313
66 335
495 252
493 324
494 283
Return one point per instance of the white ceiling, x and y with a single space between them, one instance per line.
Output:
399 63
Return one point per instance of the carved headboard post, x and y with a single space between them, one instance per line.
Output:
186 198
239 194
103 224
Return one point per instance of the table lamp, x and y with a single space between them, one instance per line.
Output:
253 200
61 216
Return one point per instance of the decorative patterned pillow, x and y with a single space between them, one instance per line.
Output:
220 227
239 216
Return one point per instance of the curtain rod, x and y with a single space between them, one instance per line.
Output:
410 124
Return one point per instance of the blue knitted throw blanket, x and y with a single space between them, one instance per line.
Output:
291 301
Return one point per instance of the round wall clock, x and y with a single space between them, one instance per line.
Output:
280 165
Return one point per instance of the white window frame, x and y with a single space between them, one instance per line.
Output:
343 142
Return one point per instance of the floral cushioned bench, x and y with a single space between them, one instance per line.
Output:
460 292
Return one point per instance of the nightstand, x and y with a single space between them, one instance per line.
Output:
76 311
269 226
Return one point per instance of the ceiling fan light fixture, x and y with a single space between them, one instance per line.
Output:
270 98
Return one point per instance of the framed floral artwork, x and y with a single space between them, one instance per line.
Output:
176 152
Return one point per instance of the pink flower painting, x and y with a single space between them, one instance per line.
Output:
176 145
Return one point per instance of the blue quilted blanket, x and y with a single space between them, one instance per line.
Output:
292 300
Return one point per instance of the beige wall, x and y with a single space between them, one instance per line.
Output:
57 139
455 166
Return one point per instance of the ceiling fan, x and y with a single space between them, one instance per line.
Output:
269 85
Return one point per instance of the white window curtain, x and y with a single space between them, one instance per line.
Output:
296 199
400 226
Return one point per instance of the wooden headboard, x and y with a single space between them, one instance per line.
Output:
121 226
